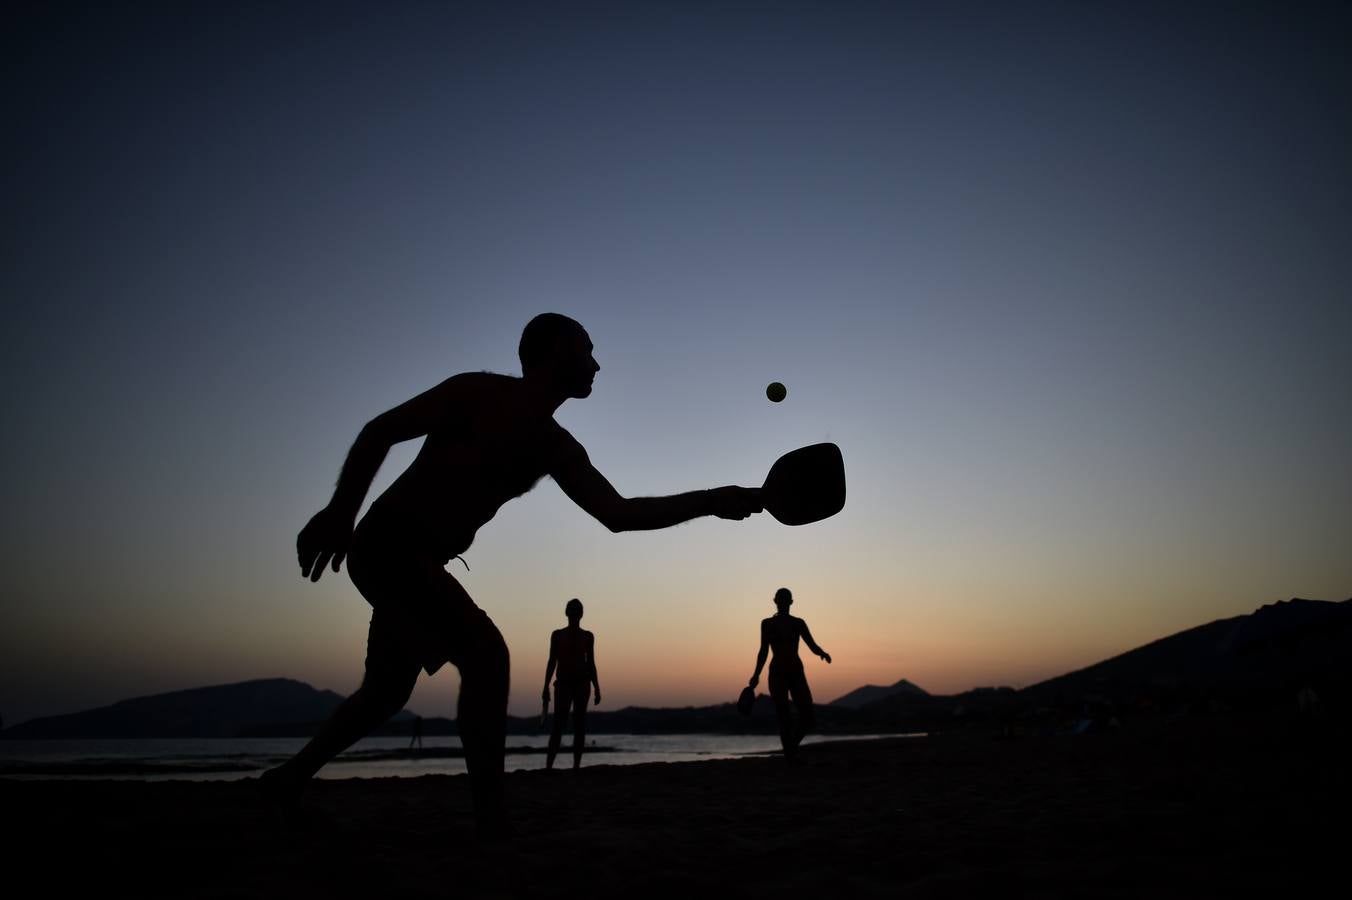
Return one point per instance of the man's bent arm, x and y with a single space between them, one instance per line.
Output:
404 422
549 667
359 470
326 536
590 490
591 665
812 645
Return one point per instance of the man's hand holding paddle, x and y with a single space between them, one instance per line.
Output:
735 502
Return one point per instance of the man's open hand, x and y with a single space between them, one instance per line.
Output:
325 537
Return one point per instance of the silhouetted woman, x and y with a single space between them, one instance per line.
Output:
787 679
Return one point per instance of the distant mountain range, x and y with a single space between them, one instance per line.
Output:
228 710
1261 658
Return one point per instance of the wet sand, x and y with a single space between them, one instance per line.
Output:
1213 806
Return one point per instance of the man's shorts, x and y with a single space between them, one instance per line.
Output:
571 693
419 612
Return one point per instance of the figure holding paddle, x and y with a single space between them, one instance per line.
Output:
488 438
781 632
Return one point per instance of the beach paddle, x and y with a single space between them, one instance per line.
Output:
805 485
746 700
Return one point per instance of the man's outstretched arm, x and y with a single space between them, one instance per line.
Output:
328 533
591 665
590 490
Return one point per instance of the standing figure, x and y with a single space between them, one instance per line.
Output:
781 632
572 651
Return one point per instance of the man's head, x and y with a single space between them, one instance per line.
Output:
557 350
783 599
573 610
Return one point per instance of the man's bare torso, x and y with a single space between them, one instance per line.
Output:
782 633
572 650
491 446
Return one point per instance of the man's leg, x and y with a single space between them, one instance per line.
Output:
389 680
802 699
779 693
579 724
562 699
484 681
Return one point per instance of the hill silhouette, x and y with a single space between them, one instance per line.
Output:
1252 660
871 693
1264 659
230 710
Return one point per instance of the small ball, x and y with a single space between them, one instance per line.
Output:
776 392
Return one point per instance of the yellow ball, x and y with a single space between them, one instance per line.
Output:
776 391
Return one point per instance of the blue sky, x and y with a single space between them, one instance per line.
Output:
1068 286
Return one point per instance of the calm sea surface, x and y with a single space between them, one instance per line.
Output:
202 759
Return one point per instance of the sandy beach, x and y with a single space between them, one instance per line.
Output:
1211 806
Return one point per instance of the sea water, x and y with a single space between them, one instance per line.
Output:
205 759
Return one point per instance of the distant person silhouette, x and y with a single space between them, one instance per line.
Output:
573 651
417 733
489 438
780 633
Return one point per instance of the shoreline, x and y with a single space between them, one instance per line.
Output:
231 761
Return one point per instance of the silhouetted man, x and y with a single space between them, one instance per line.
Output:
573 651
489 438
781 632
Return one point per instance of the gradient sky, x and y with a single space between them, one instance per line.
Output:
1069 288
